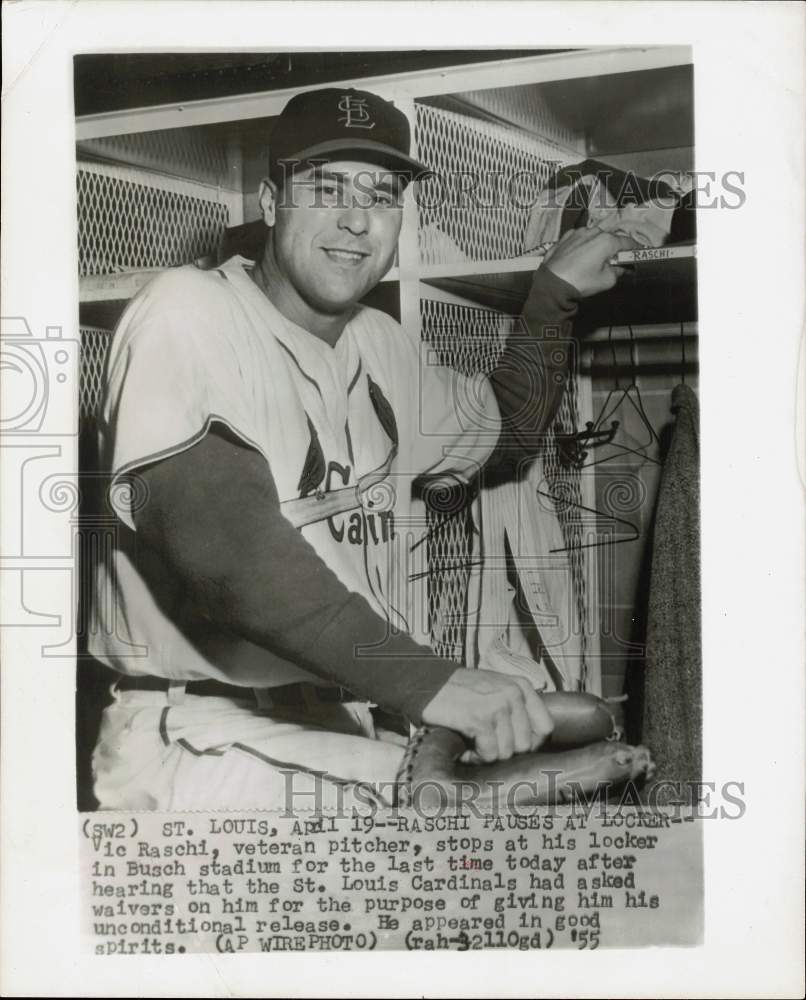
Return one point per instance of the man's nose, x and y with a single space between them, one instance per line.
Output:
354 219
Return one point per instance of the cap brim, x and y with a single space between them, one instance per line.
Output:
365 151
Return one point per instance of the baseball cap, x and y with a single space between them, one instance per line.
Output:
342 123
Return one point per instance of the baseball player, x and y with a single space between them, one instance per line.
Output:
268 437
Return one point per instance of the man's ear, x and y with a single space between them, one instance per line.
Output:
267 201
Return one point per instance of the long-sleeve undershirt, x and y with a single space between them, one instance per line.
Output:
252 573
530 376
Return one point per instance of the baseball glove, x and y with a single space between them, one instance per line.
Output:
580 757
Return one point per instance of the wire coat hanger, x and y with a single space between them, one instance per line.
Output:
636 532
631 394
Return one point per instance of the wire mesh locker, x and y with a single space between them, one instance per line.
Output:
94 345
130 218
524 108
486 178
202 154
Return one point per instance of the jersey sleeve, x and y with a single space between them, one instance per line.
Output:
453 419
465 420
460 421
172 372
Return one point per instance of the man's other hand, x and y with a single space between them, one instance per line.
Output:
582 256
502 715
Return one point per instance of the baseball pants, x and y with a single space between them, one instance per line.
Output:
173 751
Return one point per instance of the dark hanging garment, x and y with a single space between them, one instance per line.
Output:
673 677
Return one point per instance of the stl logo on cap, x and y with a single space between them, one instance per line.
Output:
356 113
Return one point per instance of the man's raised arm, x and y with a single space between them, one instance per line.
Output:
531 374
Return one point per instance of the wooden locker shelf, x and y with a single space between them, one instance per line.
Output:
504 285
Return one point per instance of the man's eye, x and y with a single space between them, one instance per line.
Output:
386 199
326 191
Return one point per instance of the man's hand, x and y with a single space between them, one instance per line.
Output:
581 258
501 714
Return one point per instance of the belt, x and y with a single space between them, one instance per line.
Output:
286 694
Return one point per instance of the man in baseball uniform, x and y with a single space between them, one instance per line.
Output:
268 437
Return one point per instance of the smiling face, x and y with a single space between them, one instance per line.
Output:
334 231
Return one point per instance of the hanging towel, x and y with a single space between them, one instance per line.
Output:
673 677
649 210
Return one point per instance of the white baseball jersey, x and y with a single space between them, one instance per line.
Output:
195 348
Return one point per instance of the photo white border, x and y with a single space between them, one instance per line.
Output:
749 86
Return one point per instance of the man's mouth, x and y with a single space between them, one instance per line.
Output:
353 257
